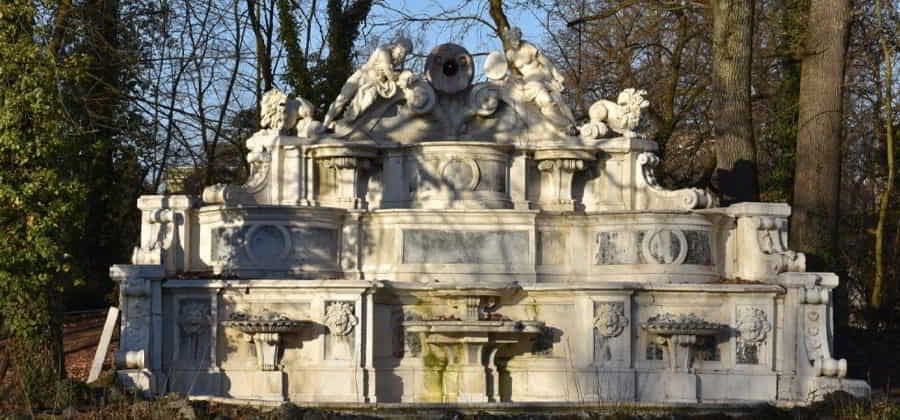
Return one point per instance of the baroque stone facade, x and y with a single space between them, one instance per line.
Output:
435 240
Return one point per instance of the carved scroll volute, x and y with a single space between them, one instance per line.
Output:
557 168
760 242
655 197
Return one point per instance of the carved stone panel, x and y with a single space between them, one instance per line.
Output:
274 246
422 246
657 246
551 247
753 327
610 322
340 319
194 338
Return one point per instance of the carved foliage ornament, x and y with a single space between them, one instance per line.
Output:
339 318
753 325
610 319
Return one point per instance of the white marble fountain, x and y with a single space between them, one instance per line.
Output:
435 240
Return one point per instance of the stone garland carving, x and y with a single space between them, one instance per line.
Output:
661 199
339 318
656 246
378 77
622 116
410 343
610 319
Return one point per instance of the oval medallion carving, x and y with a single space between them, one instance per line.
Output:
267 244
461 173
664 246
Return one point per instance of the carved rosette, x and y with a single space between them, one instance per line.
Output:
340 319
753 325
610 319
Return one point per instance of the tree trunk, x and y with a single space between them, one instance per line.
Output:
735 175
884 201
817 175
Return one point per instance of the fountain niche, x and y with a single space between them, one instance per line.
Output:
462 346
454 237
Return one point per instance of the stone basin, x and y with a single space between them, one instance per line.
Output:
265 333
470 347
258 326
465 327
678 334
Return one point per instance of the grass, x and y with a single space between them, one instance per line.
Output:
106 400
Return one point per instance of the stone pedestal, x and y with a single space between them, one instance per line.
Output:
557 168
341 172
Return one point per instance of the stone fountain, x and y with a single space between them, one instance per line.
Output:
469 338
436 239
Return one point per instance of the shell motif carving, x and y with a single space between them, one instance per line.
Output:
610 319
339 318
753 325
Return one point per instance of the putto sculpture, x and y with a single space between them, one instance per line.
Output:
537 79
377 77
439 240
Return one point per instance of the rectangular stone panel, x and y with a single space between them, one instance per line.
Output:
699 250
551 247
421 246
618 247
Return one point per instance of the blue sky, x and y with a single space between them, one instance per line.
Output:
475 37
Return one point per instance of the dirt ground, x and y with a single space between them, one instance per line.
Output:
81 335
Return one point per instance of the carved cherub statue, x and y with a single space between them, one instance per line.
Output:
378 77
622 116
540 81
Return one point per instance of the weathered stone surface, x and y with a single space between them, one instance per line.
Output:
449 242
